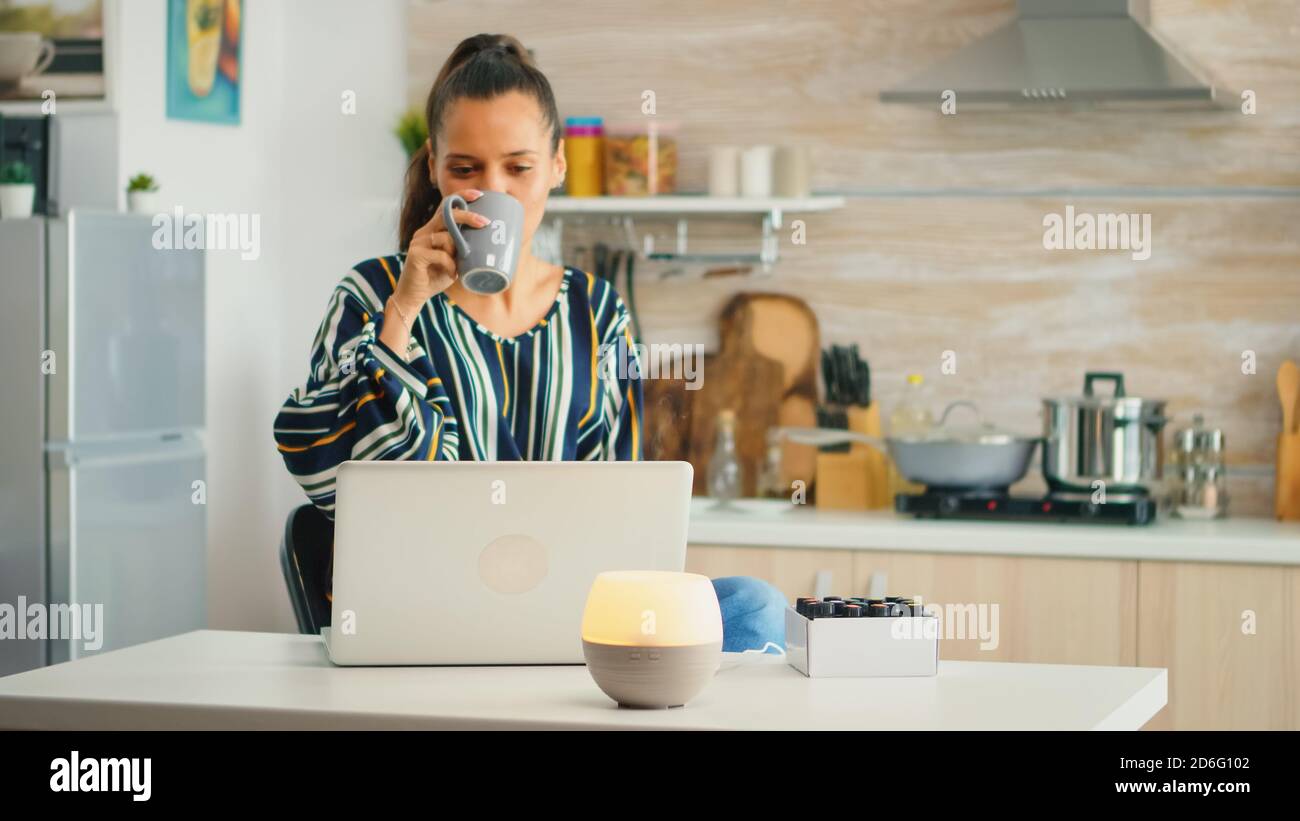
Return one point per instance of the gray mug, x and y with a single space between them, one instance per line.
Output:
486 257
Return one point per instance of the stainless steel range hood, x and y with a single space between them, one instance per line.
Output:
1063 52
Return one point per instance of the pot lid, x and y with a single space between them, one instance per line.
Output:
1117 398
971 432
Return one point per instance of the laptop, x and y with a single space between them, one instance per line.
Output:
478 563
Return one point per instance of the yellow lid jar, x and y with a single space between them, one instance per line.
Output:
584 153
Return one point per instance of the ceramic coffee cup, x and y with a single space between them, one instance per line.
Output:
23 54
486 257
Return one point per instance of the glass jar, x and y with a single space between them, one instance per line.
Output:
584 154
640 159
1198 487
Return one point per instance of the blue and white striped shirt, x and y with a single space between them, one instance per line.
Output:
462 392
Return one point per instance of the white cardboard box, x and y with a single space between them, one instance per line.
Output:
843 647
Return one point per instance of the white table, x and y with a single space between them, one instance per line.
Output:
211 679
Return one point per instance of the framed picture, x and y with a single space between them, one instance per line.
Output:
203 75
52 49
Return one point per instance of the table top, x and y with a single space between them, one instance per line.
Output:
210 679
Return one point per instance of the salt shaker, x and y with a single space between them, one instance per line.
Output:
1199 488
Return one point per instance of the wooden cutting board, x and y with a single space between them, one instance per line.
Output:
785 329
765 371
734 381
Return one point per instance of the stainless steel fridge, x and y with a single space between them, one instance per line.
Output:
102 460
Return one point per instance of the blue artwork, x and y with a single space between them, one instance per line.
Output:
203 39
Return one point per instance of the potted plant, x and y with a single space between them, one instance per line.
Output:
142 194
17 190
411 131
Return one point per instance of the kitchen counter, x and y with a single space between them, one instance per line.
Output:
776 523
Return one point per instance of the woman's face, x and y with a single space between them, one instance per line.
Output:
500 144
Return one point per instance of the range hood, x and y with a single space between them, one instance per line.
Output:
1063 53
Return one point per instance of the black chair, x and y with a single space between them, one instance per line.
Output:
306 554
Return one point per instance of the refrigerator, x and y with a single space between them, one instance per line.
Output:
102 459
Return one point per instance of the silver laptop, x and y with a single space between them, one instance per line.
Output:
491 562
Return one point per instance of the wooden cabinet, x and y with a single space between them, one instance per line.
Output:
1045 610
1190 620
1183 616
792 570
1037 600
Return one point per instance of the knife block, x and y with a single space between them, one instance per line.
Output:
1286 501
859 479
866 420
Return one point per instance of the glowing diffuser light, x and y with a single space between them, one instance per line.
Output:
652 638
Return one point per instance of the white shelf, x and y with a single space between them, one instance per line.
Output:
690 204
770 211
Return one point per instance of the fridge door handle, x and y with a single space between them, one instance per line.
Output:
135 449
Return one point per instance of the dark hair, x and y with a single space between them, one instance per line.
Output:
481 67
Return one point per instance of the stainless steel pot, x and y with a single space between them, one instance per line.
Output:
1114 439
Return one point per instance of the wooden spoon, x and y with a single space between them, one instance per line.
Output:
1288 391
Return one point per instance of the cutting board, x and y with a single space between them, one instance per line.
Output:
782 328
667 418
736 380
765 370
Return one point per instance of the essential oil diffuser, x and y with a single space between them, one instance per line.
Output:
652 638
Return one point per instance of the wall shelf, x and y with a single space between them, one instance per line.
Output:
621 210
681 204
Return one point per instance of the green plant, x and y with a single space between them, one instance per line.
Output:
16 172
411 131
142 182
206 16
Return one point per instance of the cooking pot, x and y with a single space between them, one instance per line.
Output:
1113 439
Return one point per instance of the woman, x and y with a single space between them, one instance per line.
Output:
408 364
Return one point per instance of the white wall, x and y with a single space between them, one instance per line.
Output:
325 188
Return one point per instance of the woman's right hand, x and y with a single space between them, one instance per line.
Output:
430 266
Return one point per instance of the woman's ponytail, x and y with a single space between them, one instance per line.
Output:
419 199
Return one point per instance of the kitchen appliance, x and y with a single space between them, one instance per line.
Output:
652 639
102 460
1198 486
1061 53
1094 441
997 504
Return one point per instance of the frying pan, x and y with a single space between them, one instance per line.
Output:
944 457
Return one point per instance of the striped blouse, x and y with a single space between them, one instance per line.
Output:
462 391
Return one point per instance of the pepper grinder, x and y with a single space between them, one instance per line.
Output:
1199 489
